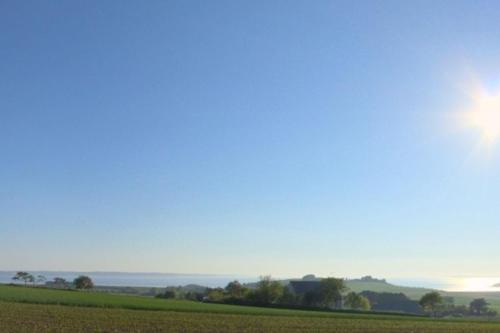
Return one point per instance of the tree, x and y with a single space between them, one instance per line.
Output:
364 304
194 296
215 295
236 290
331 291
357 302
24 276
40 279
169 293
312 298
31 279
267 292
431 301
83 282
289 297
478 307
491 313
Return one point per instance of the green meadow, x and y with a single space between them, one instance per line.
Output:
24 309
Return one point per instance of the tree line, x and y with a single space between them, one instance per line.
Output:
331 293
269 292
438 306
81 282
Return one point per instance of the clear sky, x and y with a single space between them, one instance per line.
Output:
249 137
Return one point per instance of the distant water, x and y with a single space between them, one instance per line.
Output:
212 280
140 279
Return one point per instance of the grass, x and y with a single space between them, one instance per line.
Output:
24 309
105 300
20 317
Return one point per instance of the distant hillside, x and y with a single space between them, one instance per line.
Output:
359 285
366 283
460 298
465 297
415 293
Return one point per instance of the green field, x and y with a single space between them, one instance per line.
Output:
44 310
103 300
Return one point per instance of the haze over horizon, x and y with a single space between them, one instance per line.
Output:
159 279
215 137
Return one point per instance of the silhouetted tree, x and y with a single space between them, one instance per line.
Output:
431 301
312 298
24 276
289 297
478 307
83 282
40 279
491 313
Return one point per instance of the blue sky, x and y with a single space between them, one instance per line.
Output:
247 137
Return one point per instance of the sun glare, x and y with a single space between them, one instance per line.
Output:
484 116
476 284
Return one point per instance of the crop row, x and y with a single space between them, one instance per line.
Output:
19 317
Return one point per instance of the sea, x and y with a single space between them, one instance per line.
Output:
140 279
214 280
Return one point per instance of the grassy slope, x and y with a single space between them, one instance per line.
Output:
411 292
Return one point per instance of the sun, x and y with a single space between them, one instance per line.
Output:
484 116
477 284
